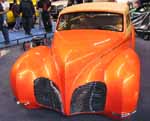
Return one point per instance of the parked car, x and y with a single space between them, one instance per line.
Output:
91 66
141 20
73 2
57 6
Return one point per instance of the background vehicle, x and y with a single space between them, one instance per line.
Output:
57 6
73 2
86 69
141 20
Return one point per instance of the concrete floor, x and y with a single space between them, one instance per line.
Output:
10 111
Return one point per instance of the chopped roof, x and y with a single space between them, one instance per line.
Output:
98 6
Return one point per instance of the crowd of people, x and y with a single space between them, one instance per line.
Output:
25 16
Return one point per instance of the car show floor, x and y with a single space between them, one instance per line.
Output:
10 111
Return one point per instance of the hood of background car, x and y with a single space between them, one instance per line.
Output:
61 2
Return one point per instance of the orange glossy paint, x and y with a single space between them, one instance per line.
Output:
77 57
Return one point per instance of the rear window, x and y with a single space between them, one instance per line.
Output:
91 20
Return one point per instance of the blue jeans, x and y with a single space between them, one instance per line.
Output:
40 19
4 28
17 24
5 33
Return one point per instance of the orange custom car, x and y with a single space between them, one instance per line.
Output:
91 66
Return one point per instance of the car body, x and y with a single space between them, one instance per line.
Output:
57 6
89 69
10 16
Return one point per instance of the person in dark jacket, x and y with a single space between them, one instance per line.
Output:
46 6
28 11
3 28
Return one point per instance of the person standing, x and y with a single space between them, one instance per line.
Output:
28 11
46 6
6 7
3 27
39 8
16 14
